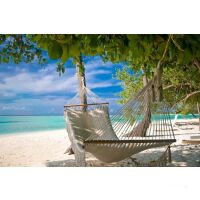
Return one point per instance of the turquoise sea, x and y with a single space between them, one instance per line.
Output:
19 124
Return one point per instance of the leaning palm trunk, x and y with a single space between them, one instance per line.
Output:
141 129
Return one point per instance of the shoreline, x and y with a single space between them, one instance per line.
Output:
46 149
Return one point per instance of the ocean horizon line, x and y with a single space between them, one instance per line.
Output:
27 115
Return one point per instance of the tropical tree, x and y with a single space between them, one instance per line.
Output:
169 54
62 47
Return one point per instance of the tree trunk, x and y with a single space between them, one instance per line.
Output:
147 114
145 80
158 82
80 71
159 73
141 129
198 109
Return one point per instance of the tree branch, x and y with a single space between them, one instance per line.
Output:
163 56
176 86
176 44
166 47
159 72
197 64
189 95
168 86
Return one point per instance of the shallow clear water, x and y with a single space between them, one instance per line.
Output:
18 124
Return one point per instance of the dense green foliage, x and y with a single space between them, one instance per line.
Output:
180 66
182 87
63 47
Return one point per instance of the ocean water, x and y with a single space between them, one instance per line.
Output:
20 124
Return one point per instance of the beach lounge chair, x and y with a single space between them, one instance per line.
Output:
140 124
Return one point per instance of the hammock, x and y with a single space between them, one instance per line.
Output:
138 125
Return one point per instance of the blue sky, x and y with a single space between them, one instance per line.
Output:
31 89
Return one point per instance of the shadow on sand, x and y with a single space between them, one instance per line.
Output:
61 163
71 163
182 156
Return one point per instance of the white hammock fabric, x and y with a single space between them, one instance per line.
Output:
134 128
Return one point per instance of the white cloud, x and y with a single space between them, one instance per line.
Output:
12 107
96 63
45 84
47 80
103 84
26 82
43 101
92 74
34 105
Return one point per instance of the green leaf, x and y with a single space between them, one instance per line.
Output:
44 43
74 51
60 68
65 54
37 37
180 57
93 42
5 59
55 51
187 56
171 52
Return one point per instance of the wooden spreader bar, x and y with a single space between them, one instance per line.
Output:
85 105
130 141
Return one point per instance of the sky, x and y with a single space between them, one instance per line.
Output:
32 89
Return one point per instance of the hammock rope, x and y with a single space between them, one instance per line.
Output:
139 124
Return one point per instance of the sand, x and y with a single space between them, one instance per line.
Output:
46 149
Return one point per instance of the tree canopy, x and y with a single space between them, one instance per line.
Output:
180 67
173 59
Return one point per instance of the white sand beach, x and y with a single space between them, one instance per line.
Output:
46 149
